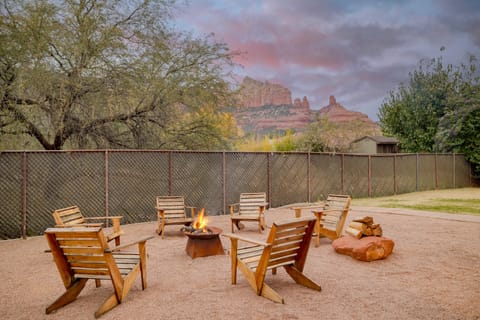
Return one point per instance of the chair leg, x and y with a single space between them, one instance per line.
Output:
239 225
143 264
271 294
108 305
301 279
262 224
233 258
71 294
116 229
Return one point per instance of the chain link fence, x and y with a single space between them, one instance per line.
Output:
119 182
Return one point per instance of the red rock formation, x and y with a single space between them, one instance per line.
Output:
302 104
255 93
305 103
335 112
297 103
269 107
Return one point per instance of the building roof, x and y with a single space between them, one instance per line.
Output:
379 139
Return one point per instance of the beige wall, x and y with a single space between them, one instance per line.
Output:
366 145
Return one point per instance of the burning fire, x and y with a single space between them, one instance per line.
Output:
201 221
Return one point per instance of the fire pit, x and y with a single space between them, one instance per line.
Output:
203 241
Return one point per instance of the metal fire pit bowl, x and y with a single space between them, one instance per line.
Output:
203 244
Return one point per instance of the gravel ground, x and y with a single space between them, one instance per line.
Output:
433 273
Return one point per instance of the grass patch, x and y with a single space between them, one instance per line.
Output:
456 201
463 207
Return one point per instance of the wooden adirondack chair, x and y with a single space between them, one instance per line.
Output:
331 219
251 207
171 210
82 253
72 217
286 246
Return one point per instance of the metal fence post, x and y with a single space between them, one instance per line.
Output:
224 182
369 178
394 174
453 157
342 176
170 173
24 197
416 173
308 177
107 183
269 187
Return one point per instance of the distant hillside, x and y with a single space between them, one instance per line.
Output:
266 108
272 118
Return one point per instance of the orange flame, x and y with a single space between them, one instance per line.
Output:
201 221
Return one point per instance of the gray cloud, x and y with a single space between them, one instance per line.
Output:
355 50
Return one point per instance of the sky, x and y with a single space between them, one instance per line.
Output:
357 51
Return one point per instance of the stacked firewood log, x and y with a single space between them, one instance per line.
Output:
363 226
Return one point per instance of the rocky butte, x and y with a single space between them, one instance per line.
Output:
254 93
266 107
335 112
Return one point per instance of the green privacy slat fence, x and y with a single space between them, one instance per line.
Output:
126 182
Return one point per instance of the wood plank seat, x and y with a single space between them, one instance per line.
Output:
82 253
298 209
171 210
286 246
331 219
72 216
251 207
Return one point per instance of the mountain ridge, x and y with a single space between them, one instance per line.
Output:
265 107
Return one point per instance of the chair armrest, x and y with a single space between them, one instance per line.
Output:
114 219
317 205
242 238
264 205
79 225
192 211
98 218
326 211
123 246
233 208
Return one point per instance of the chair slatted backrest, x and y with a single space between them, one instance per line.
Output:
334 209
68 216
84 253
173 206
286 246
289 241
250 202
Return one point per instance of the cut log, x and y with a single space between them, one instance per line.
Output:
367 220
377 231
354 232
358 225
368 231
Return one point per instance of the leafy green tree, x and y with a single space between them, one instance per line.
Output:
412 113
101 73
285 143
438 111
